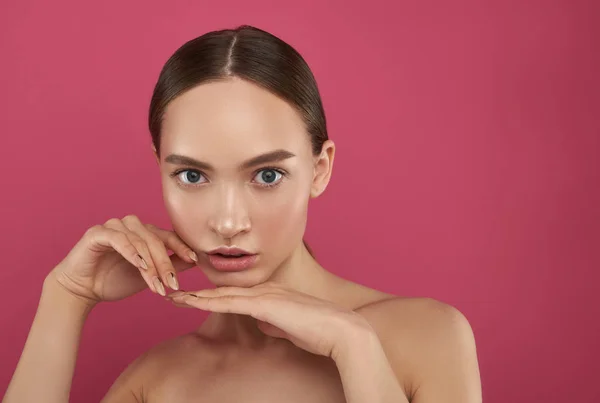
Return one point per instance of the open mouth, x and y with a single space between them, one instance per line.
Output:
230 256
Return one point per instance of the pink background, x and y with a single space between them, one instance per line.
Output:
467 168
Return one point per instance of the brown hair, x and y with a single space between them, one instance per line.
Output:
248 53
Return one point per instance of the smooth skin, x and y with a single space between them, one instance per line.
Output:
285 330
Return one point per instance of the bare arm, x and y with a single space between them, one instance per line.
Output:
428 344
366 373
45 369
109 263
450 368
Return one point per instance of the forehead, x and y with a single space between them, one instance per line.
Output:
235 114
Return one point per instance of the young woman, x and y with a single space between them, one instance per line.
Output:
239 133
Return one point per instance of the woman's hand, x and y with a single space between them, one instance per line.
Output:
315 325
119 258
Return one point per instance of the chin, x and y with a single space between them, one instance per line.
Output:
246 278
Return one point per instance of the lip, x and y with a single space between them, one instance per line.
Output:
229 250
231 264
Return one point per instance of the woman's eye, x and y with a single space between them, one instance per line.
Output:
268 177
189 175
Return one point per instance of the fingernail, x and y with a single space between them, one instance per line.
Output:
173 281
193 256
142 262
159 286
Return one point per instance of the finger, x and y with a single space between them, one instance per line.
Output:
116 240
183 257
180 264
226 304
175 243
180 305
148 270
222 292
158 250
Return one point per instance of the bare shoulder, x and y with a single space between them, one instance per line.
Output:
417 314
151 368
430 345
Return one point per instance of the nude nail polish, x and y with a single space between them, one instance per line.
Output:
173 281
159 286
142 262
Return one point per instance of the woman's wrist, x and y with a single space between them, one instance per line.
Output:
50 352
54 293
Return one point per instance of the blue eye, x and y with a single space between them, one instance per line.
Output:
269 176
266 177
188 174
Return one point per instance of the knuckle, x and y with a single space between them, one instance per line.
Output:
121 237
130 218
131 249
134 237
94 229
139 245
154 236
112 221
154 243
159 253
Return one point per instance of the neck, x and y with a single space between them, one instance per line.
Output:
300 273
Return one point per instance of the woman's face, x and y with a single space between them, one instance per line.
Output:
217 191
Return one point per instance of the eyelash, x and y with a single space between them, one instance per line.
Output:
283 173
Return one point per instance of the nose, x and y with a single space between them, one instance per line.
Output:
230 216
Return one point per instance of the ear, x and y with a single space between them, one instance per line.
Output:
322 169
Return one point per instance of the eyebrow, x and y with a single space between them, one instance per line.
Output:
272 156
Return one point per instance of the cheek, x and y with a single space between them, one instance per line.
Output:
186 214
281 217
